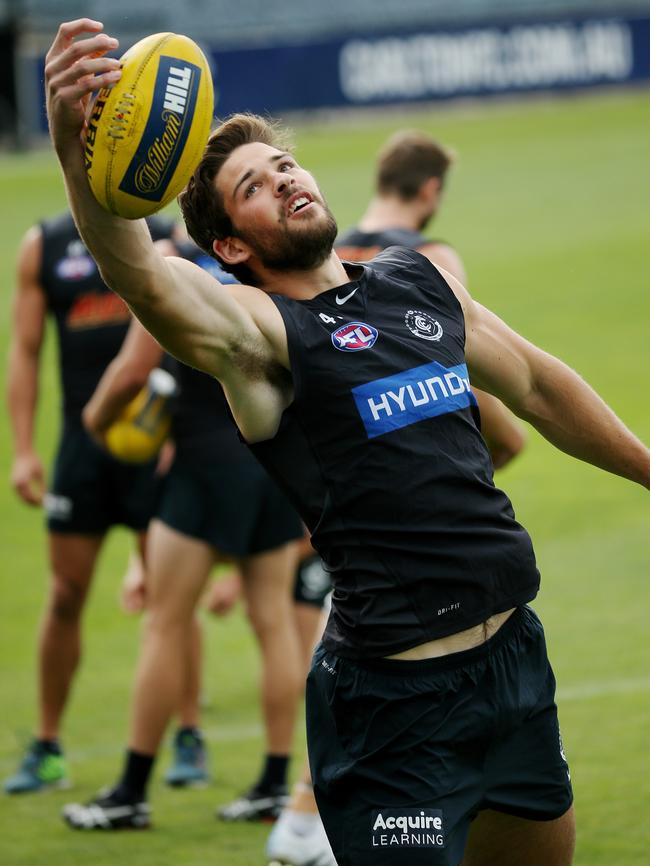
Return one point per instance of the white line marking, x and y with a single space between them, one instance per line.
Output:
240 733
223 734
586 691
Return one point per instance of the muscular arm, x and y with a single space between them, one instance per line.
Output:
446 258
29 313
231 332
550 395
189 312
504 436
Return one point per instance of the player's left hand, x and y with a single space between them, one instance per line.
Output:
28 478
73 71
224 593
133 595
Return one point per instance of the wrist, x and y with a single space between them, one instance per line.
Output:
24 452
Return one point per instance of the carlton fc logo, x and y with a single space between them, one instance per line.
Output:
423 325
354 337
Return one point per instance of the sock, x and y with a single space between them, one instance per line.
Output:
301 823
51 747
132 786
189 731
274 773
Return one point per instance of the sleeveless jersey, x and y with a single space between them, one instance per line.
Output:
91 320
202 424
381 455
358 246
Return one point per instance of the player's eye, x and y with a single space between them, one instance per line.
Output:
251 189
286 165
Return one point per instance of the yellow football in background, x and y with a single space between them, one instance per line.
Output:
146 134
138 434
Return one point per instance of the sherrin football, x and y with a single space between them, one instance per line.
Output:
138 434
146 134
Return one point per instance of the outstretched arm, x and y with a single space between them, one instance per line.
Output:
550 395
188 312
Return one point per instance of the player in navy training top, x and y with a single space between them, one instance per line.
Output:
410 180
89 491
432 726
410 183
216 503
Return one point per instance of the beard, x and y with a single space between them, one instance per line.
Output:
426 219
299 247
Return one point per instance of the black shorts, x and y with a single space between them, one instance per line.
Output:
313 583
91 491
233 506
404 754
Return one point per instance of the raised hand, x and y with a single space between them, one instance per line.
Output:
73 71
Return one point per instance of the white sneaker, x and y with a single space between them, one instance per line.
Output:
286 847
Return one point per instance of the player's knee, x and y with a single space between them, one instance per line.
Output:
163 618
269 620
67 599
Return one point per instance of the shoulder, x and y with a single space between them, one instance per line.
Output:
263 328
444 256
398 259
406 269
256 302
61 224
29 266
405 265
32 240
30 252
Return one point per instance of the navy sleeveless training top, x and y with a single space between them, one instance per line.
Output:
91 320
358 246
381 454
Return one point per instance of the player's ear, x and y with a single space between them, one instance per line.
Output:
233 251
430 189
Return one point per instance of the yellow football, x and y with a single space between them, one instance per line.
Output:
146 134
138 434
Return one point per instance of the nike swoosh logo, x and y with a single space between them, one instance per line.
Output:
340 301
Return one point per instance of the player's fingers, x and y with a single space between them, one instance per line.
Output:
37 496
38 486
69 29
89 71
85 85
26 493
99 45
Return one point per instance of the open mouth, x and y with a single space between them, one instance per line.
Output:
298 202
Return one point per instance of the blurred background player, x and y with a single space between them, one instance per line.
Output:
409 182
310 590
409 185
216 502
89 491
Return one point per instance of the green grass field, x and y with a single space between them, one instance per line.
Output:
549 207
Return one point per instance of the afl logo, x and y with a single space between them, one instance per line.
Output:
354 337
77 264
423 325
